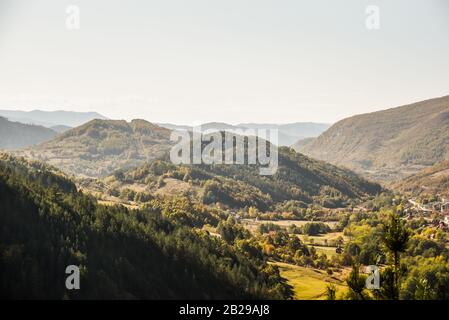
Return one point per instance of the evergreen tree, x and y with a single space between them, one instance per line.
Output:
395 240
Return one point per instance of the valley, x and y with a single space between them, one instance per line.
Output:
305 232
224 158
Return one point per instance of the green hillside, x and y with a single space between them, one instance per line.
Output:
390 144
298 178
99 147
47 225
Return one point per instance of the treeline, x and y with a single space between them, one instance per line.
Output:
146 254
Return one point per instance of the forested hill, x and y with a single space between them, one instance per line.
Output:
47 225
298 178
388 145
99 147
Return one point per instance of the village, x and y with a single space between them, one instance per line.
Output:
435 212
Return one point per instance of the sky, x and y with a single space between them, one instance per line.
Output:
195 61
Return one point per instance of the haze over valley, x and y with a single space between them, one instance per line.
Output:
224 150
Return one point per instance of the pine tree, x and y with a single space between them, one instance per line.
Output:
395 240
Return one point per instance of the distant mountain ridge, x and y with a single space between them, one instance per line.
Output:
61 121
15 135
288 134
51 118
390 144
60 128
297 129
298 145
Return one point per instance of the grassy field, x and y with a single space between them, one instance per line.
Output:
118 202
310 284
321 239
329 251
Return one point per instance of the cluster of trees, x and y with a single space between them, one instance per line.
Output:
234 193
182 210
309 228
412 264
127 194
315 228
294 210
230 231
149 253
284 247
278 244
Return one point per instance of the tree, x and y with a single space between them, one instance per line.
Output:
395 240
356 283
331 292
428 279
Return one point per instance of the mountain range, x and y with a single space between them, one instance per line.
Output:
61 121
51 119
101 147
288 134
387 145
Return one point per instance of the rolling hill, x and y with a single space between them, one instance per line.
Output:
388 145
99 147
102 147
299 180
15 135
430 181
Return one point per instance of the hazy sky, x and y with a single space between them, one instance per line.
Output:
235 61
